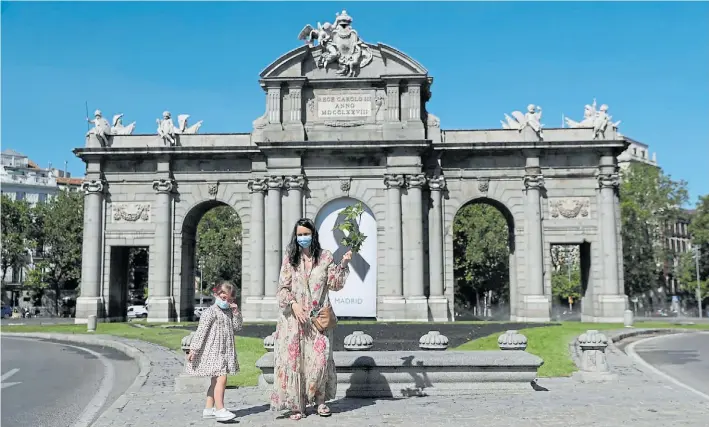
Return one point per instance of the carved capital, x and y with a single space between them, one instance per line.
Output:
533 182
163 186
437 183
295 182
257 185
394 181
416 181
274 182
94 186
608 180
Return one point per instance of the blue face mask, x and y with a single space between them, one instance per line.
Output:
304 241
221 303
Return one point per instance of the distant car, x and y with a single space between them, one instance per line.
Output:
6 311
137 312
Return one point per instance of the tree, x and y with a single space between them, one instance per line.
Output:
15 235
562 287
649 201
219 246
687 270
62 219
480 248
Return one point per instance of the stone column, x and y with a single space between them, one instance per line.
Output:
273 235
536 305
612 302
437 302
273 105
90 302
608 184
257 187
414 110
295 185
161 303
416 305
393 101
395 277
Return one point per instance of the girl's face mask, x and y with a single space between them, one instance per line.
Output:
221 303
304 241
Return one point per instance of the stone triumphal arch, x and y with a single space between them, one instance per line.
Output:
347 121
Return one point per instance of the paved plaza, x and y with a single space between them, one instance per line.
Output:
636 399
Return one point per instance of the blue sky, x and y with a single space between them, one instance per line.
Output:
648 61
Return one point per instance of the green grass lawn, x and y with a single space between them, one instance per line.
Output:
248 349
551 343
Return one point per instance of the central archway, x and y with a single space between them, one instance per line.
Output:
359 296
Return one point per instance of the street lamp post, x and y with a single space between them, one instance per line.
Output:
699 289
568 269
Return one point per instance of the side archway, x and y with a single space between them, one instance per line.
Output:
484 270
211 237
359 296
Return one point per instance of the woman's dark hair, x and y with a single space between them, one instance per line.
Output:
294 248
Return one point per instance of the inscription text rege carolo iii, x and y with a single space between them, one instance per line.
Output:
344 105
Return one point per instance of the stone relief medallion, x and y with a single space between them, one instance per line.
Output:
212 188
345 185
483 185
570 207
131 212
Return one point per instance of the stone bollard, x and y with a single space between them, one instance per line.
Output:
594 363
269 343
91 323
433 340
628 318
358 341
185 383
512 340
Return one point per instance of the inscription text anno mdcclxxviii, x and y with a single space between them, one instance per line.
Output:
342 106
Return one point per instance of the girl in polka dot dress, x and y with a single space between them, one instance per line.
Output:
212 351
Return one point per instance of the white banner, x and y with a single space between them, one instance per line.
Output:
359 296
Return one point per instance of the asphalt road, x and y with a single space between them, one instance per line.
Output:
36 321
55 384
684 357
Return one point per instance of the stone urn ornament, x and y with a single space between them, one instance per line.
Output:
512 340
269 343
433 340
358 341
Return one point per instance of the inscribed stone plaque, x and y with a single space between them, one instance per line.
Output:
343 105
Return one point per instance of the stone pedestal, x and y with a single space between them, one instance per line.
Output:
438 307
535 308
259 309
610 308
160 309
269 309
416 309
391 309
88 306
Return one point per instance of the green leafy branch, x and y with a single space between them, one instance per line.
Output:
352 217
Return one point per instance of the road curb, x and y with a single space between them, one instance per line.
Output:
630 351
105 341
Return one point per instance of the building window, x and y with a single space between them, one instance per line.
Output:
20 195
42 197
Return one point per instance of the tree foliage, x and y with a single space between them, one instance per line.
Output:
61 220
562 287
649 200
219 244
687 270
354 238
16 227
480 248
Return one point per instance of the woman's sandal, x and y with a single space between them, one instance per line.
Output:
296 416
324 411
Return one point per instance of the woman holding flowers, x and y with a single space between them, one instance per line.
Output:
304 372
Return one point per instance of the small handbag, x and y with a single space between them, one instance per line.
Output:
325 320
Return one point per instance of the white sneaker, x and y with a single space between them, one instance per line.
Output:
224 415
208 413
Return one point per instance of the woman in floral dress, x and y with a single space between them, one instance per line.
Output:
304 369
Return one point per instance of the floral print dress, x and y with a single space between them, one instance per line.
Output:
213 343
304 369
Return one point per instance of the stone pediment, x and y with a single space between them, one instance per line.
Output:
303 63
